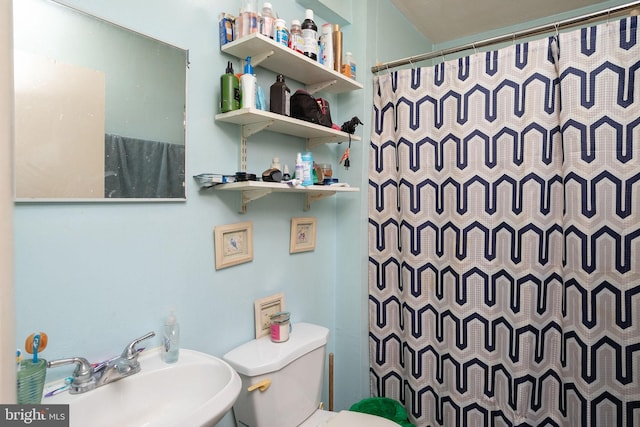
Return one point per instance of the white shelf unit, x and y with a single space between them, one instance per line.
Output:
278 58
253 190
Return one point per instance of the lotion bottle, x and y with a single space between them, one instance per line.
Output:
171 339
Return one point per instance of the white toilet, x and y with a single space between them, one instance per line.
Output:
282 383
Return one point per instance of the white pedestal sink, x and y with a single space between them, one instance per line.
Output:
198 390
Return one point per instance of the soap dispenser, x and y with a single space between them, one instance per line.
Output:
171 339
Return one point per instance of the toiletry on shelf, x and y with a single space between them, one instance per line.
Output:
295 36
248 18
280 97
225 28
307 169
171 339
309 36
349 66
266 20
229 90
248 86
281 32
298 173
326 45
337 48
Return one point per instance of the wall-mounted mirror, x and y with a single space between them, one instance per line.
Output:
99 109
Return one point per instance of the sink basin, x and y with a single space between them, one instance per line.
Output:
198 390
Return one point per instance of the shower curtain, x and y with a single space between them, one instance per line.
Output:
504 234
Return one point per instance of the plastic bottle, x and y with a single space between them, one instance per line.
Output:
349 66
248 86
280 97
352 64
299 171
307 169
326 44
309 36
281 32
171 339
295 36
266 27
249 18
229 90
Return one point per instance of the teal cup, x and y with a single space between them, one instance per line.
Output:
31 378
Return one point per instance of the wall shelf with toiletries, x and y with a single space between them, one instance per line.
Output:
267 53
278 58
253 190
254 120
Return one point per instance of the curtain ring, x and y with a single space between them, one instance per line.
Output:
513 39
442 55
411 63
474 48
608 16
557 25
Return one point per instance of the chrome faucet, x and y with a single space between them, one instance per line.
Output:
86 378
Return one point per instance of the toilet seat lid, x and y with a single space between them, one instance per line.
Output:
353 419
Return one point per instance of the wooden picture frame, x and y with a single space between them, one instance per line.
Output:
233 244
264 308
303 234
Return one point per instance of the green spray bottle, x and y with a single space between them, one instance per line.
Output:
229 90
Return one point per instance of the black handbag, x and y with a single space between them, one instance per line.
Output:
314 110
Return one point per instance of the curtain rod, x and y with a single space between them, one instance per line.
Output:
508 37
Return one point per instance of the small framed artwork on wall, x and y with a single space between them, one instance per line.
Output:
233 244
303 234
264 309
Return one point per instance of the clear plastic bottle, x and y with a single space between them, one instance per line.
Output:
295 36
299 171
171 339
309 35
266 22
349 66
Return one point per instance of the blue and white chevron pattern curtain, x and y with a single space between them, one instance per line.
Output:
504 235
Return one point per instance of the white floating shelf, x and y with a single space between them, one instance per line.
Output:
253 190
254 120
282 60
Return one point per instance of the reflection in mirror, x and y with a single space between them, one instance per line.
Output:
99 109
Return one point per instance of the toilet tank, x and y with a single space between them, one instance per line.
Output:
291 375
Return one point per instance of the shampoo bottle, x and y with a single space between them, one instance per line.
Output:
229 90
171 339
248 86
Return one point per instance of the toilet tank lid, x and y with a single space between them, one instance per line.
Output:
261 356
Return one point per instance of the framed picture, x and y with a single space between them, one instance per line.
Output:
264 309
303 234
233 244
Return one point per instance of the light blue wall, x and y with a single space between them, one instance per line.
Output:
96 275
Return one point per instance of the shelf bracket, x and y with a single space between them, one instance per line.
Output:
314 142
247 131
251 195
310 198
319 86
253 128
256 60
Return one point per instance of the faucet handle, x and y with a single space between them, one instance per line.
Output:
83 379
130 352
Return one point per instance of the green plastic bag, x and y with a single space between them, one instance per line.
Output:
383 407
